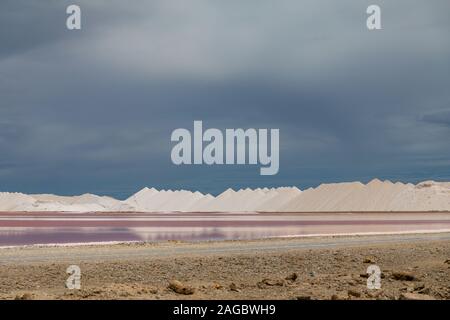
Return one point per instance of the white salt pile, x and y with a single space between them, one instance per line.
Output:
152 200
84 203
15 201
375 196
334 197
277 199
50 202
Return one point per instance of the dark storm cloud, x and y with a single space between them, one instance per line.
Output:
441 117
27 25
92 110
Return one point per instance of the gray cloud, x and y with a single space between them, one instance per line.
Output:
441 117
93 110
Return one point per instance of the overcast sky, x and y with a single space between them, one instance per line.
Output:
92 110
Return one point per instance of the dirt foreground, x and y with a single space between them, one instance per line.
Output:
413 267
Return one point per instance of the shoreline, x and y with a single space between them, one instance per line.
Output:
325 235
228 212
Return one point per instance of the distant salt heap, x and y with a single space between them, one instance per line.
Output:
49 202
152 200
335 197
375 196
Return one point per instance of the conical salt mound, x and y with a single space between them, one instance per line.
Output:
376 195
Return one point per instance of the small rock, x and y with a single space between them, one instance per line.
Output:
292 277
419 286
271 282
424 291
374 294
354 293
25 296
178 287
404 276
447 261
217 286
233 287
415 296
338 297
369 260
303 297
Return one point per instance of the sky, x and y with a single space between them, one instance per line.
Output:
92 110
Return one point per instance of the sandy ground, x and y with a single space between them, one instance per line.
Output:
413 266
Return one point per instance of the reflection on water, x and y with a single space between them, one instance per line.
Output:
25 229
26 236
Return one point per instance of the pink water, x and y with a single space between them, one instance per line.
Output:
57 227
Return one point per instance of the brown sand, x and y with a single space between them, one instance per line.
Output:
324 268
